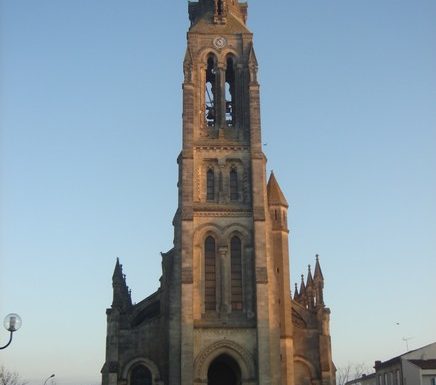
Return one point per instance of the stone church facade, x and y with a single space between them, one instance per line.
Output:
223 313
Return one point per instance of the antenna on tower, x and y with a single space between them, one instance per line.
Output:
406 340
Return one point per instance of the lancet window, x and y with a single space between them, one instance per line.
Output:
140 375
233 185
210 92
220 7
209 274
230 92
210 185
236 273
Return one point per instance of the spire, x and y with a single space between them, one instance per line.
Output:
302 299
121 294
319 284
309 282
302 286
275 194
310 292
296 295
318 272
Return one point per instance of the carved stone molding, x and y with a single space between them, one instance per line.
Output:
222 214
243 357
221 148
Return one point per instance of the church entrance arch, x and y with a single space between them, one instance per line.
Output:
224 363
224 370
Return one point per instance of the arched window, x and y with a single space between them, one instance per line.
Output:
234 194
220 7
230 92
140 375
210 92
209 274
236 272
210 185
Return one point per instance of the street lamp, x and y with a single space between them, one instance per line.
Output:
12 323
48 378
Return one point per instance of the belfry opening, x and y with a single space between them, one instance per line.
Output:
224 370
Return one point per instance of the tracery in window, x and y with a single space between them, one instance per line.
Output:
236 273
140 375
209 274
210 92
210 185
233 185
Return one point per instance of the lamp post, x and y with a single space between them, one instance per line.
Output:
11 323
48 378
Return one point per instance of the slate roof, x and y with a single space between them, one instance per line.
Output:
275 194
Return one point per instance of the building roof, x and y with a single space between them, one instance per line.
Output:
365 377
275 194
425 364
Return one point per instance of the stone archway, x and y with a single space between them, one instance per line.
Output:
236 361
224 370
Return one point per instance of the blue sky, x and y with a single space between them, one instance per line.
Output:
90 118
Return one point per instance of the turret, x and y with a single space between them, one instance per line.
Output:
277 204
122 300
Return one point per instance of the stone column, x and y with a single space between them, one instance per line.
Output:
224 281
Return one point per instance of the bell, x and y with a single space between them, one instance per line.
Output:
210 113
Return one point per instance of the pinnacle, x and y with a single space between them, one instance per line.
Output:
318 271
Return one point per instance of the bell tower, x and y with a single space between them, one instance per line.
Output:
223 313
231 283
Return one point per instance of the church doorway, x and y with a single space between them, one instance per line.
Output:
224 370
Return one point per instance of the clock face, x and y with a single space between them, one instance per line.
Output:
220 42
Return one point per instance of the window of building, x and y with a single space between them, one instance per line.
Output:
236 272
209 274
210 92
230 92
220 7
234 194
140 375
210 185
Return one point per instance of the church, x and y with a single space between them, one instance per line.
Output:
223 313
